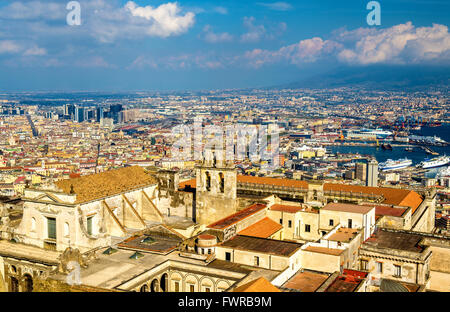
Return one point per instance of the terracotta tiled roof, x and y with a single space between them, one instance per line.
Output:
236 217
191 183
389 211
112 182
292 209
393 196
272 181
258 285
286 208
263 228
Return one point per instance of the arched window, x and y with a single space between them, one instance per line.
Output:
144 288
66 229
163 282
208 181
154 286
28 283
33 224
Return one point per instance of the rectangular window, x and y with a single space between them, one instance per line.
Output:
331 222
281 221
51 225
228 256
89 224
307 228
191 288
256 261
177 286
397 270
364 265
290 223
350 223
379 267
207 289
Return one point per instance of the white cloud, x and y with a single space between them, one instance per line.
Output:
254 32
221 10
305 51
165 19
35 51
9 46
400 44
277 6
104 20
212 37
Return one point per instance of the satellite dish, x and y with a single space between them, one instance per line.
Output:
387 285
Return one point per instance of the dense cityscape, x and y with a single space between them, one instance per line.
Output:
220 155
112 156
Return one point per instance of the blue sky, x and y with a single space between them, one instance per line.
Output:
164 45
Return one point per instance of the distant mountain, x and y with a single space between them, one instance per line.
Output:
396 78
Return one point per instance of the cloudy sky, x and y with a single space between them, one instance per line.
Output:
162 45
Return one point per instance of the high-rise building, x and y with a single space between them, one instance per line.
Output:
79 114
372 173
99 114
361 171
69 110
114 110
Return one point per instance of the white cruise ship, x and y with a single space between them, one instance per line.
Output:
395 164
435 162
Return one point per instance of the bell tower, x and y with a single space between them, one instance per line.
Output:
216 189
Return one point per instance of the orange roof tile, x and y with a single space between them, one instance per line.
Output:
258 285
108 183
292 209
393 196
286 208
272 181
236 217
191 183
263 228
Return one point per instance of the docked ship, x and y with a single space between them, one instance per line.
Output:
435 162
378 133
395 164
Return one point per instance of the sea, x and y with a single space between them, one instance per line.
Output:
417 155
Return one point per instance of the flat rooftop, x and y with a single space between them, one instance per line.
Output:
344 283
343 235
325 250
306 281
27 252
236 217
348 208
394 240
154 242
263 245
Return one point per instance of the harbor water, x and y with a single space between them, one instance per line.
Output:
417 155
